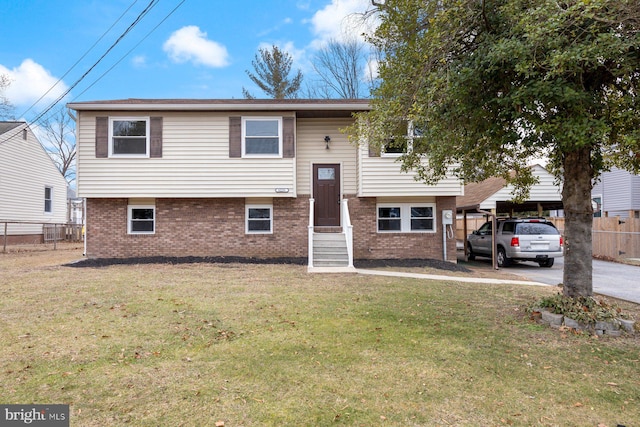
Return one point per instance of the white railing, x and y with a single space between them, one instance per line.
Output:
347 229
310 237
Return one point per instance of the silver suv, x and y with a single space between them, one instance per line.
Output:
529 239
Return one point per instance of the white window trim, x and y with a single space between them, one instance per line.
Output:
405 217
130 209
48 212
148 137
598 196
409 138
246 218
267 118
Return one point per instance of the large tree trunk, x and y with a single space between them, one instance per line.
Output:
578 249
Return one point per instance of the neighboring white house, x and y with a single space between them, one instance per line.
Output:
250 178
493 195
617 193
33 192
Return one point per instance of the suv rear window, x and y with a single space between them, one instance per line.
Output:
528 228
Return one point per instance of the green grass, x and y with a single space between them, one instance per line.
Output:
191 345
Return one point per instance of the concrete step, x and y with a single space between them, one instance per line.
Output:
330 250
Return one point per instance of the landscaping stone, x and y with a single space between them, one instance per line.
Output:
570 323
612 328
554 320
627 325
606 326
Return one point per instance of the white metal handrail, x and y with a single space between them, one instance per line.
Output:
310 231
347 229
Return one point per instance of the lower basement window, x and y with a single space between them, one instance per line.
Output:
259 219
141 219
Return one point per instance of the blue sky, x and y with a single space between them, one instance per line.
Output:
201 50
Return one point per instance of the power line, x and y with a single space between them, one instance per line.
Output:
80 59
131 50
142 14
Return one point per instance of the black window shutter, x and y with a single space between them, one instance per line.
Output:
288 138
156 137
102 137
235 137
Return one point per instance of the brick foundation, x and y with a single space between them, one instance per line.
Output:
369 244
216 227
22 239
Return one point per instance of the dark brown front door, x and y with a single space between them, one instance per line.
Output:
326 192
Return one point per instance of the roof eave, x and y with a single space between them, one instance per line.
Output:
219 106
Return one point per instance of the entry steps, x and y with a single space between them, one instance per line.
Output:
330 250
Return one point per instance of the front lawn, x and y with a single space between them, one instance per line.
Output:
261 345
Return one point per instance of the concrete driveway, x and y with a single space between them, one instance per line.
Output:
609 278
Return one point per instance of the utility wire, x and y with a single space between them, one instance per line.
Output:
80 59
129 52
142 14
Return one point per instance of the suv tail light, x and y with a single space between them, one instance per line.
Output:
515 242
561 241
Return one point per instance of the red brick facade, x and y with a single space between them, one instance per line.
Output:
216 227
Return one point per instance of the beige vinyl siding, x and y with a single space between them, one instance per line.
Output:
195 163
381 176
311 149
26 169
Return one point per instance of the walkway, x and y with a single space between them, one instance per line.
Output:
449 278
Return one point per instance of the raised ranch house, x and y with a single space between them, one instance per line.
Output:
250 178
33 192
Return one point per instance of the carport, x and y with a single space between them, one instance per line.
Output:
493 197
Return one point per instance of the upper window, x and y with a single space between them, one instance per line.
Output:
406 217
141 219
262 137
259 219
402 140
129 137
48 199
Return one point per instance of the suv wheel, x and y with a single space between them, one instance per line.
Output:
470 255
503 261
546 263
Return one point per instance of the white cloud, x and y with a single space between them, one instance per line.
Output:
341 19
139 61
30 81
191 44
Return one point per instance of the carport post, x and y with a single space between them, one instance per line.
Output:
494 244
464 234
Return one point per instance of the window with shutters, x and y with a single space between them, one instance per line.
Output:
261 137
129 137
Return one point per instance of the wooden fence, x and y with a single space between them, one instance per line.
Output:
613 237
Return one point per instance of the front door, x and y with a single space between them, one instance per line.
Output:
326 192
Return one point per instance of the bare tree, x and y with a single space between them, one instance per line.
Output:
60 142
6 109
342 67
272 68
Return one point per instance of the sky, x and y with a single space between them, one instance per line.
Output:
88 50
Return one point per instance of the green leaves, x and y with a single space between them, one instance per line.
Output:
500 81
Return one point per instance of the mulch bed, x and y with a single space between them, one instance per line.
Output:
365 263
